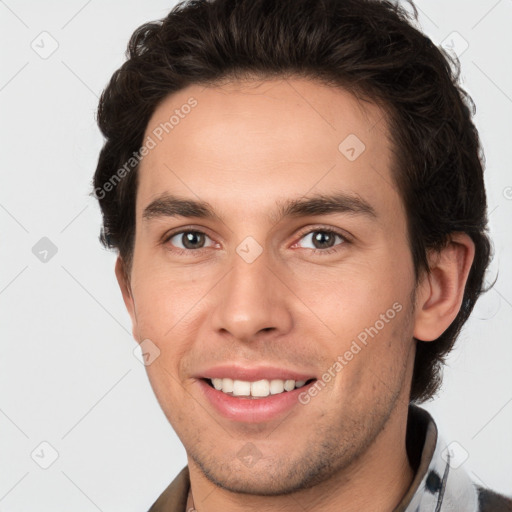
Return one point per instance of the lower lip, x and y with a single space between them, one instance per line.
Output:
252 410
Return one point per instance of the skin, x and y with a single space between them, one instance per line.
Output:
246 147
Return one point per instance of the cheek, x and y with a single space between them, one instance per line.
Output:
373 373
166 302
351 298
167 309
384 329
367 310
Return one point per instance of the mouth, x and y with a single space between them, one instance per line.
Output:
262 388
246 396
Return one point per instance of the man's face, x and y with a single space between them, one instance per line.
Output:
250 294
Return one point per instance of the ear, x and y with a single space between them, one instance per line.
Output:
123 280
439 294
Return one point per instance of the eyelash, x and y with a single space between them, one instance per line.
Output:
322 252
331 231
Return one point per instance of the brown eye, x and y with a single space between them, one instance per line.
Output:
322 239
188 240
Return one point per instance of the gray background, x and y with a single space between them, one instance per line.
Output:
68 375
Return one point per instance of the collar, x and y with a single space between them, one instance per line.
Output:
440 483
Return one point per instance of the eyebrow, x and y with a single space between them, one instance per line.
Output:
319 204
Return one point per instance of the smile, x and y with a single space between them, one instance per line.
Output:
256 389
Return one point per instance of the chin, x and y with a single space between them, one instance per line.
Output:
270 479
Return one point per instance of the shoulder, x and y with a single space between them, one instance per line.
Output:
174 497
491 501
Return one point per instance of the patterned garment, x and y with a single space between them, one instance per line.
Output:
441 484
444 486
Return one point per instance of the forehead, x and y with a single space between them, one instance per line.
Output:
265 140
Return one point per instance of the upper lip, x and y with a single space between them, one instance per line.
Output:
252 374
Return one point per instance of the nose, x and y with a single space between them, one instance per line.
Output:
252 300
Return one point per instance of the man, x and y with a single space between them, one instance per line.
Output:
295 191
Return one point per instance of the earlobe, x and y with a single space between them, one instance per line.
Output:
439 294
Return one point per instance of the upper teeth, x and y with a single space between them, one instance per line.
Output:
259 388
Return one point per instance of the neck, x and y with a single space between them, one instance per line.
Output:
377 480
